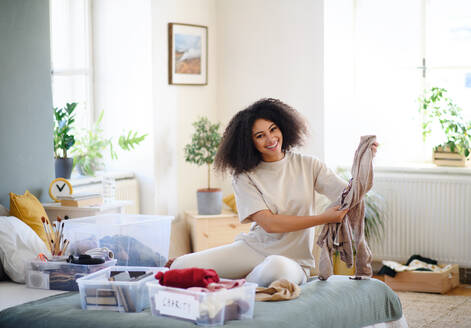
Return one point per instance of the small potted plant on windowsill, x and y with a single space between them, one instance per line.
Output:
91 144
438 109
202 151
63 139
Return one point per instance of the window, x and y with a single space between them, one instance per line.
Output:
380 56
71 60
448 49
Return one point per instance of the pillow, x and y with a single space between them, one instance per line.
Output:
3 211
3 276
19 244
230 201
28 209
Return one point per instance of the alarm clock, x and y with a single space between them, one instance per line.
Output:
60 187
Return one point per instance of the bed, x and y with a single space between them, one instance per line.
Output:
338 302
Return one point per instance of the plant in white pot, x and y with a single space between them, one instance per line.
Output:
63 139
439 110
202 151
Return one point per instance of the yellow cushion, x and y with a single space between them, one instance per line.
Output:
231 202
29 209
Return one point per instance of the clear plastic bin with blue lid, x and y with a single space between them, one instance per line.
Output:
117 288
203 308
136 240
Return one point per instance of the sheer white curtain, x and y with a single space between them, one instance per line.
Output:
71 60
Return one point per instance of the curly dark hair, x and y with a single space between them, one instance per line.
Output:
237 153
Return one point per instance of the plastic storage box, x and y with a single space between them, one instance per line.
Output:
97 292
204 309
59 275
136 240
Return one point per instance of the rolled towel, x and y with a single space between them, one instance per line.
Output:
186 278
103 252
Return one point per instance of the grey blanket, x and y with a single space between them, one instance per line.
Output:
338 302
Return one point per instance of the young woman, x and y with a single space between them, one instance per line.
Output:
274 189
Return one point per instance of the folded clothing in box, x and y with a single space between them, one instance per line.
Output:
136 240
426 281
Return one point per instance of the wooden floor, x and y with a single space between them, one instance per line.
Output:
462 289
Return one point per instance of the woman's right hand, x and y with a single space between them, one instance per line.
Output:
334 214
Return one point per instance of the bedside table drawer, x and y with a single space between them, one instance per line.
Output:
208 231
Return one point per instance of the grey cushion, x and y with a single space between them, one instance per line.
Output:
3 211
3 276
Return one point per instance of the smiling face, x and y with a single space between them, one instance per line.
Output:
267 139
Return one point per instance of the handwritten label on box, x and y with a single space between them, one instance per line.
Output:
178 305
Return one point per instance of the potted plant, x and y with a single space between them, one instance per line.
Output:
91 144
202 151
375 214
439 110
63 139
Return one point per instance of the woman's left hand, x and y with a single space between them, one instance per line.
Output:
374 148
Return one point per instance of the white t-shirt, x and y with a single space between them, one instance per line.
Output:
284 187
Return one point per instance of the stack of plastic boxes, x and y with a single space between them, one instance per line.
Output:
136 240
203 308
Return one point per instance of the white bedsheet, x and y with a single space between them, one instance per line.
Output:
401 323
12 294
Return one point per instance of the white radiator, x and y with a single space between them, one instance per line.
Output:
427 214
127 188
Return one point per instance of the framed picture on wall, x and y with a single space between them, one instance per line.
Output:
187 54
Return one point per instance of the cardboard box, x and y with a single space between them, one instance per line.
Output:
425 281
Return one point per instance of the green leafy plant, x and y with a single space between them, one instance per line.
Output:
91 145
436 107
63 123
204 144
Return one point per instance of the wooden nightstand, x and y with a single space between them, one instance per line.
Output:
208 231
54 210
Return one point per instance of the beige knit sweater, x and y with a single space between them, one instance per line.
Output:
339 236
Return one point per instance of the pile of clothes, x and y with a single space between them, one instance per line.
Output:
207 280
414 263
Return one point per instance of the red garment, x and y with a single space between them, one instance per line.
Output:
185 278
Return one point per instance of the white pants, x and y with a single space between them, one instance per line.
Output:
238 260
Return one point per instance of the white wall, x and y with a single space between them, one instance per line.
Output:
272 48
130 44
177 107
263 48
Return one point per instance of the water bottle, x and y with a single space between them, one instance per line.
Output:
109 188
